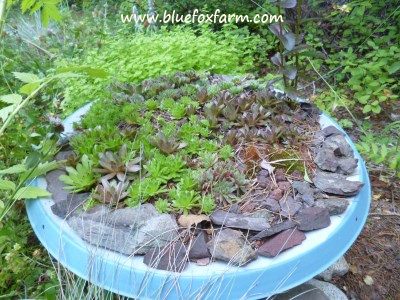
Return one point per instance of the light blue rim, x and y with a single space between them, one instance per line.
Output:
104 271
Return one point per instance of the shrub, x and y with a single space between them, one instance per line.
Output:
132 58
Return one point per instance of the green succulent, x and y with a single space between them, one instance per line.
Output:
142 190
165 168
162 206
207 205
167 145
184 201
81 178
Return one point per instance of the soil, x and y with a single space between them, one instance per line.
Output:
376 252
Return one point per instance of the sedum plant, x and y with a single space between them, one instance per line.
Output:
81 178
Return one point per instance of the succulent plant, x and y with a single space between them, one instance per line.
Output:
223 181
255 116
110 192
115 165
80 179
167 145
183 200
212 112
207 204
203 95
162 206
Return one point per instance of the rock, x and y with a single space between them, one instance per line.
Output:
171 257
284 185
99 234
133 217
263 179
157 231
271 204
198 247
347 165
226 219
312 218
280 175
339 268
261 213
55 186
327 161
231 246
289 206
234 208
336 184
65 209
307 199
276 228
304 291
98 213
335 206
276 194
331 291
303 187
65 155
339 145
331 130
281 242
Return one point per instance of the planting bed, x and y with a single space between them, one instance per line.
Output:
210 179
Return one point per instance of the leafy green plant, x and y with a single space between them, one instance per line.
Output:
184 201
207 205
162 206
144 189
206 51
81 178
165 168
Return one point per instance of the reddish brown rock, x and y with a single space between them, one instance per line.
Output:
284 185
280 175
276 194
312 218
281 242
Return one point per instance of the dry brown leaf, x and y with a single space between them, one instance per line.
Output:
192 220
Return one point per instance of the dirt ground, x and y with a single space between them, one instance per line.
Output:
376 253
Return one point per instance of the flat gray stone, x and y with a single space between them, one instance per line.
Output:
240 221
327 160
231 246
56 186
337 184
303 187
289 206
270 204
339 268
335 206
65 155
276 228
132 216
156 232
65 209
330 290
312 218
331 130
